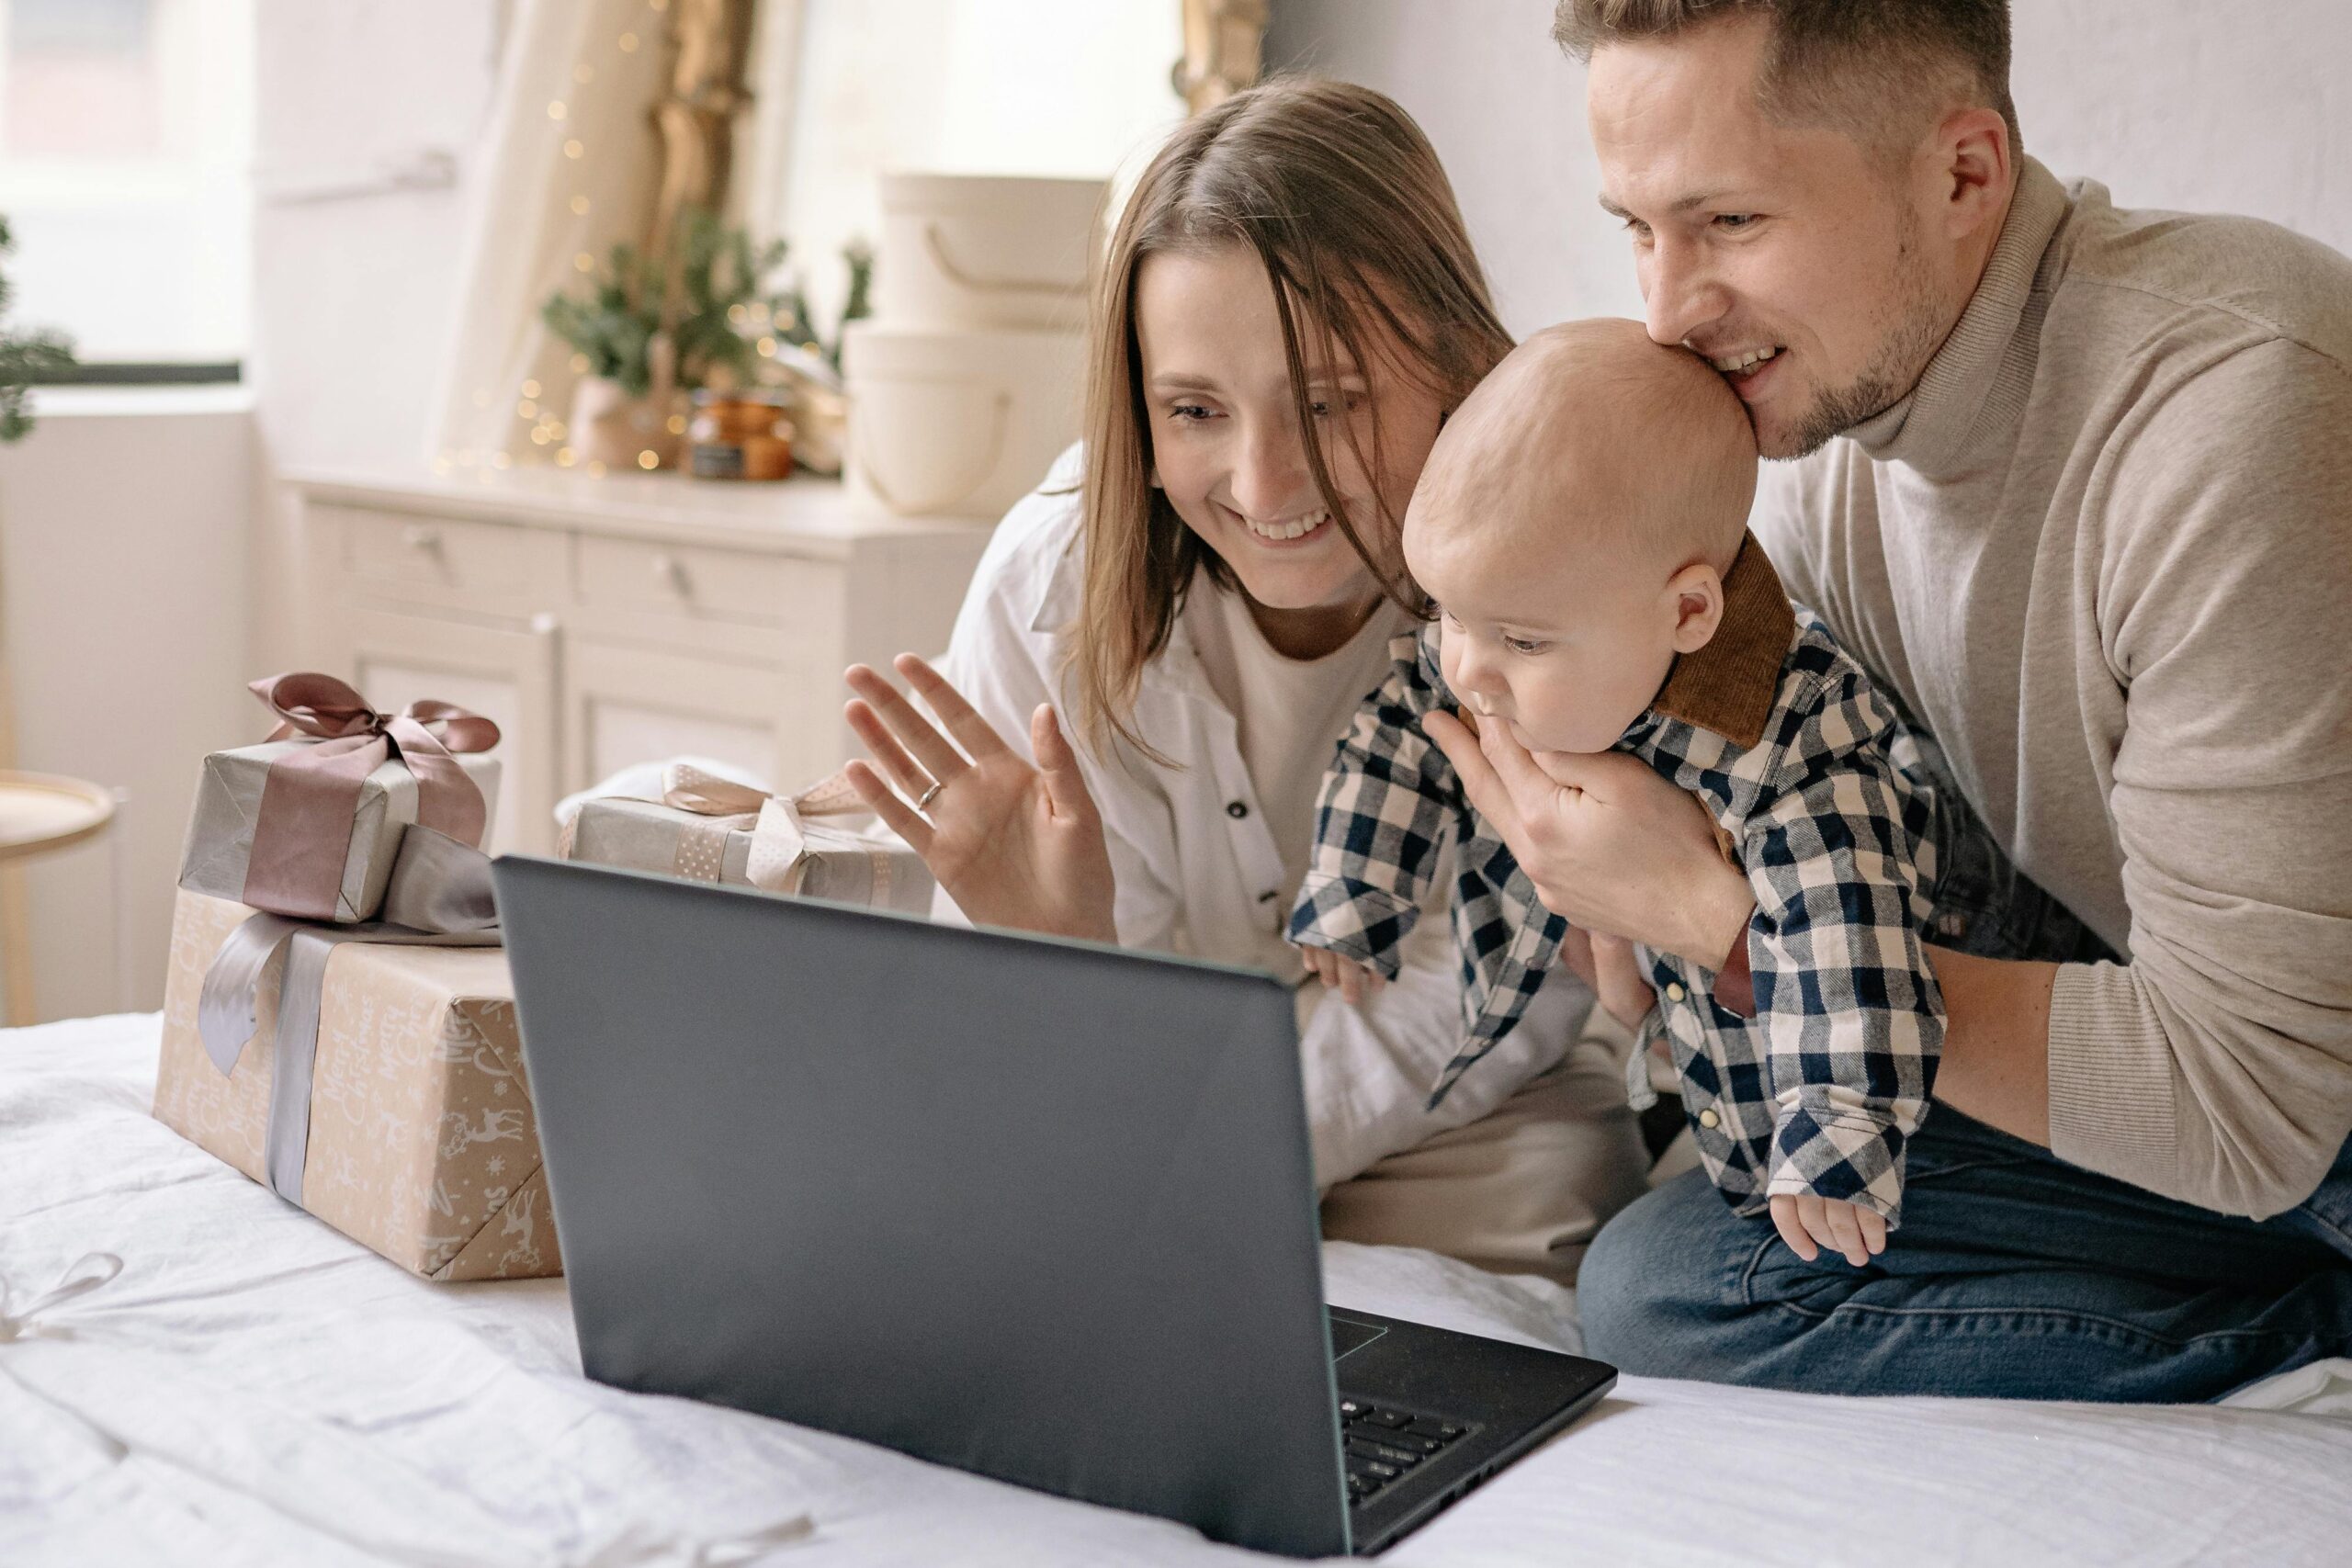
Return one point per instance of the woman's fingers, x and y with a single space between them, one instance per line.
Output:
976 735
885 749
1058 761
934 750
896 814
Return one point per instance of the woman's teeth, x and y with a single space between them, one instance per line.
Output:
1739 362
1297 528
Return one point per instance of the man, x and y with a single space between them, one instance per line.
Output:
2076 483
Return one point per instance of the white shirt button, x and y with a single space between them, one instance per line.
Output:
1675 992
1708 1118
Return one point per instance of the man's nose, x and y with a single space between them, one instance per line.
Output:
1679 293
1271 479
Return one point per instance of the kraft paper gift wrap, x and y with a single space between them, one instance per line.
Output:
220 847
422 1144
706 828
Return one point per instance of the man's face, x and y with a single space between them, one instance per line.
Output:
1786 255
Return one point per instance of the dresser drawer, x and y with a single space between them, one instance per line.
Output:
441 556
699 581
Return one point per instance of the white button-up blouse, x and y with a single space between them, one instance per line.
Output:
1197 869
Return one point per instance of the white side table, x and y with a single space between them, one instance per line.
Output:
40 812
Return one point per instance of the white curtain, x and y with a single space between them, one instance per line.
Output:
567 164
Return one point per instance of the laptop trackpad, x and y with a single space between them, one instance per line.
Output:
1350 1334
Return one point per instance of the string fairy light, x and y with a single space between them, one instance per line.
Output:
547 430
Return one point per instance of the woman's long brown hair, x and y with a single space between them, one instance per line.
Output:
1339 196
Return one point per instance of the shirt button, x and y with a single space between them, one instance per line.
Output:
1236 809
1708 1118
1675 992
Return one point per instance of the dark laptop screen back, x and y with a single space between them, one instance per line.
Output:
1036 1209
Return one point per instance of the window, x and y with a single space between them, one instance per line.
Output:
126 137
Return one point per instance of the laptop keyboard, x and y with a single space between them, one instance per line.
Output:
1384 1446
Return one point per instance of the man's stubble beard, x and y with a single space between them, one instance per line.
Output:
1917 329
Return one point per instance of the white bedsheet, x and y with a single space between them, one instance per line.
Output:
256 1388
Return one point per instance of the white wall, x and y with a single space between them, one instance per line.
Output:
2170 103
355 298
146 552
122 526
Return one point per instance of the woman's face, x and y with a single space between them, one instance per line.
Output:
1226 445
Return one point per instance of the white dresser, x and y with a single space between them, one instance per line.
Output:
609 620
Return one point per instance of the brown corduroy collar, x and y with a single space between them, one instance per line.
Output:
1729 686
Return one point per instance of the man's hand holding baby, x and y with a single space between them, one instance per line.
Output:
1609 844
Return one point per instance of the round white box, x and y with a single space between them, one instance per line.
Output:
957 423
986 251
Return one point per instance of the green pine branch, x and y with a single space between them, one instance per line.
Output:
26 356
713 276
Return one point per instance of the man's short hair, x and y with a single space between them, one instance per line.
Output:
1855 64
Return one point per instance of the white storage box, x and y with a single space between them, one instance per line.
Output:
986 251
957 423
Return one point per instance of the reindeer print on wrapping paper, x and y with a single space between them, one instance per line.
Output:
499 1124
518 1226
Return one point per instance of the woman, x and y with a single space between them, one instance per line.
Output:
1289 307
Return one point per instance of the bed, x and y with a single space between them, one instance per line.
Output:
253 1388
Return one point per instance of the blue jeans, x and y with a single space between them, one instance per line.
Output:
2015 1275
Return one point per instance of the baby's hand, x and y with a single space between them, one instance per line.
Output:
1345 975
1803 1219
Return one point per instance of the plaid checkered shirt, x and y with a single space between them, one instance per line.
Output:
1784 738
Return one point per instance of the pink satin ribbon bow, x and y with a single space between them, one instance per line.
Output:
302 834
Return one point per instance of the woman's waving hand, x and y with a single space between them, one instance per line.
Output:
1013 844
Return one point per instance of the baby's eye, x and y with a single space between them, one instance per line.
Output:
1525 646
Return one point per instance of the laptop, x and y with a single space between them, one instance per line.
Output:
1037 1209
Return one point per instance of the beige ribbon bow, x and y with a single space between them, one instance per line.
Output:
779 859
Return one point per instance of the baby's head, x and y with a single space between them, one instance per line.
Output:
1575 522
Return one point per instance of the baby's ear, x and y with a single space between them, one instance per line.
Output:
1695 597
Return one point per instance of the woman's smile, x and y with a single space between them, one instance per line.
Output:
1285 533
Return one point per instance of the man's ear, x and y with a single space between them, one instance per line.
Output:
1695 596
1973 168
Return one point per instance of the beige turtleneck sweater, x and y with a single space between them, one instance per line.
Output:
2104 552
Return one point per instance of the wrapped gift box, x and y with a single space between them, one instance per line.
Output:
774 848
228 802
422 1144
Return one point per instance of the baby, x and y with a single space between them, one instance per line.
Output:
1582 527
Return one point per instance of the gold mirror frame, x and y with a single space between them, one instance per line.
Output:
1224 50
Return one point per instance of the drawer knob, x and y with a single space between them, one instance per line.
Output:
669 572
418 537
